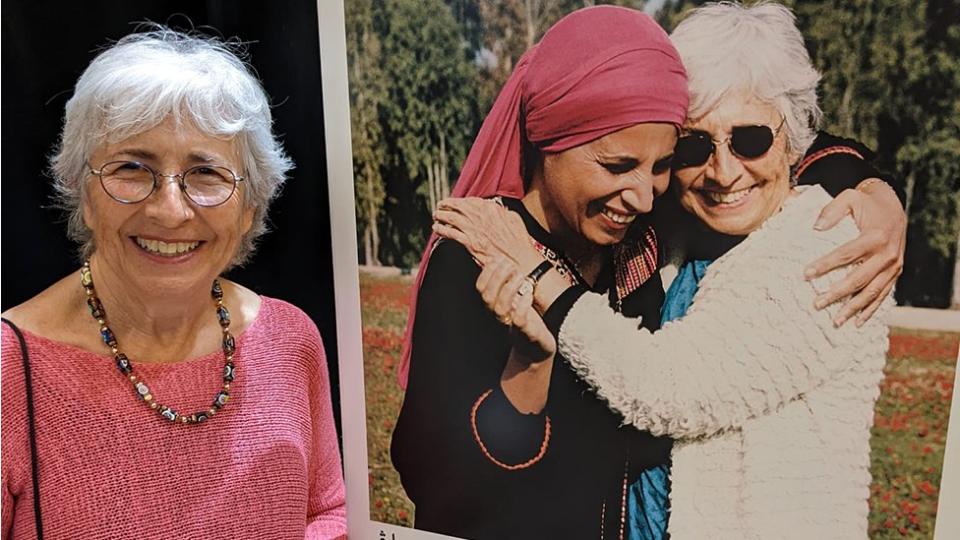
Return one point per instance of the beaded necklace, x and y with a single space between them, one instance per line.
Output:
141 390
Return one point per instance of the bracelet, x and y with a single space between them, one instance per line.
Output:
871 181
486 453
530 281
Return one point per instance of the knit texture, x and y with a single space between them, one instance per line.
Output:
773 405
266 466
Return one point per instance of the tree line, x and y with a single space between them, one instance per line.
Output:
423 74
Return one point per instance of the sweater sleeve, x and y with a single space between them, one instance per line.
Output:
7 440
750 342
16 449
326 503
7 504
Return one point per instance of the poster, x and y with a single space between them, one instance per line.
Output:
909 443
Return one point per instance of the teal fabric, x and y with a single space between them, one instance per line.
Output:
648 499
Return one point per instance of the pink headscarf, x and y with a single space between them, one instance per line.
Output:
595 72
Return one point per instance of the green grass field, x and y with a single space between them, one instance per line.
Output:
907 443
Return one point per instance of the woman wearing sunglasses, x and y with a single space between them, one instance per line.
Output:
770 400
145 396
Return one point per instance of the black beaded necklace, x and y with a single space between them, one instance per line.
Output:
140 387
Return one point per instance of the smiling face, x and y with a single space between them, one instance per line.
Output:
166 244
593 192
731 194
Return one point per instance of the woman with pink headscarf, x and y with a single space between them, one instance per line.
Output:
578 144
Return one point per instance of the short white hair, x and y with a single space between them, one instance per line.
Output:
147 77
728 47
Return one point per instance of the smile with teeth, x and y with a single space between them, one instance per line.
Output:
619 218
729 197
166 249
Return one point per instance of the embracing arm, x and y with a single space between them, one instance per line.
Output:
838 164
750 343
876 202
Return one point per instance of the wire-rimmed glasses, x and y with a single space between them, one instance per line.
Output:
130 182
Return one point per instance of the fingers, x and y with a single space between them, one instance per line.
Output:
452 233
533 330
859 248
468 206
484 227
838 208
492 279
467 228
853 283
451 217
522 306
507 297
862 298
865 315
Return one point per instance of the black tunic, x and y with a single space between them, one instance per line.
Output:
459 351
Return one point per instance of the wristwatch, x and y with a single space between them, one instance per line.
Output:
531 279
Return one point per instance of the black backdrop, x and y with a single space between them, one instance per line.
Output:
46 45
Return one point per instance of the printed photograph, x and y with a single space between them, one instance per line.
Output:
657 268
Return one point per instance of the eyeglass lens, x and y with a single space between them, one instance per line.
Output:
748 142
130 182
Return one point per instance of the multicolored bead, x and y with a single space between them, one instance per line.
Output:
169 414
224 316
228 372
96 308
216 291
142 389
123 363
108 338
229 344
86 279
200 417
221 399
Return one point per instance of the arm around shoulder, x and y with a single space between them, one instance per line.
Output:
751 342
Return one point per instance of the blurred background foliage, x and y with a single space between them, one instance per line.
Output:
423 74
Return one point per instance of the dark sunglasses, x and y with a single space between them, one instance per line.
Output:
747 142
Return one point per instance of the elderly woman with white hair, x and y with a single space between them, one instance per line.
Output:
144 396
769 398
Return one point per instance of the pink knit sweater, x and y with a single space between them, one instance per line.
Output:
267 466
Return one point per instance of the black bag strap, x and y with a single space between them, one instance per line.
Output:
34 470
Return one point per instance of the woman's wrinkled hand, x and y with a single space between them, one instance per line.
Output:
499 286
879 248
487 230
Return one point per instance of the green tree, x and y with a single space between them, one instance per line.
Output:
367 96
428 116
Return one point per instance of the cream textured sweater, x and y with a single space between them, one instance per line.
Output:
771 405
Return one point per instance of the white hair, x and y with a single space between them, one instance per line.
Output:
727 47
145 78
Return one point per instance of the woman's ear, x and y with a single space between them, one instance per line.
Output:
85 210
